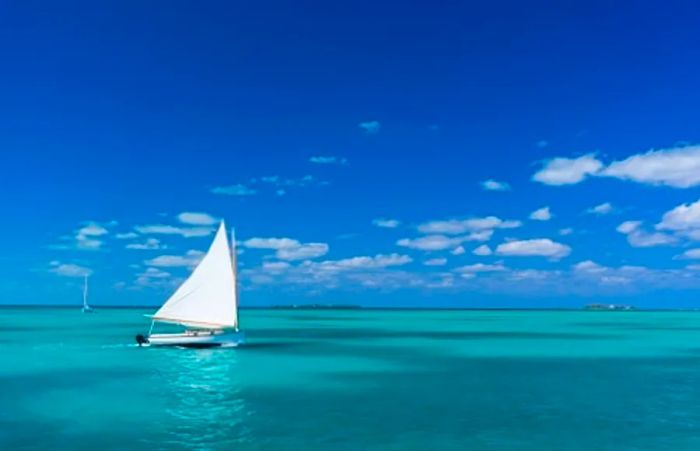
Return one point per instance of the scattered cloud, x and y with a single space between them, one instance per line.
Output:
542 214
271 243
677 167
162 229
638 237
69 269
126 236
480 267
566 231
568 171
435 262
540 247
459 250
288 248
378 261
328 160
690 254
303 251
588 266
482 250
275 267
155 278
189 260
602 209
460 226
387 223
234 190
199 219
370 127
493 185
441 242
88 236
684 219
149 244
542 144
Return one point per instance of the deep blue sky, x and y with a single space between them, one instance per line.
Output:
115 116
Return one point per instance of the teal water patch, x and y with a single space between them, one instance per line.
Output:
349 380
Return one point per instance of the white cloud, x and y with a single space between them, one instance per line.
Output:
287 248
494 185
386 223
303 251
459 226
190 259
459 250
437 242
542 214
93 229
126 236
149 244
681 218
482 250
275 267
602 209
540 247
370 127
588 266
69 269
638 237
354 263
480 267
271 243
199 219
629 226
435 262
678 167
328 160
156 278
87 237
161 229
690 254
234 190
568 171
566 231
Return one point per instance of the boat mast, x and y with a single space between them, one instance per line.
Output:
85 292
234 262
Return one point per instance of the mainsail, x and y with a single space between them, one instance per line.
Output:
208 298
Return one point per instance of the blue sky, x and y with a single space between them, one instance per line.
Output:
387 154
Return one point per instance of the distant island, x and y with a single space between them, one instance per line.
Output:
609 307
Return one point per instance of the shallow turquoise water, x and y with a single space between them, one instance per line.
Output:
356 380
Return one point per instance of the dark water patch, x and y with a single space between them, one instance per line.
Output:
274 346
326 318
19 385
355 333
508 403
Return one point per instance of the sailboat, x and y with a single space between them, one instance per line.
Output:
86 307
206 304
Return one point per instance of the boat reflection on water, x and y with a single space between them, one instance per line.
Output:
205 408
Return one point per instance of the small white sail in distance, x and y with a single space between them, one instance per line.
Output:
208 298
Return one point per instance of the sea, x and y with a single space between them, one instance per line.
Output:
355 380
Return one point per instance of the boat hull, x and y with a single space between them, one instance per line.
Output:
198 339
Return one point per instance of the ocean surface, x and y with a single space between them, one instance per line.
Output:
355 380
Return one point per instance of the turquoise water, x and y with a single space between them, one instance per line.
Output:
356 380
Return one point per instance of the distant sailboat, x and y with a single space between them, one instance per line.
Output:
86 307
206 304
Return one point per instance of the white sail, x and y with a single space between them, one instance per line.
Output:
208 298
